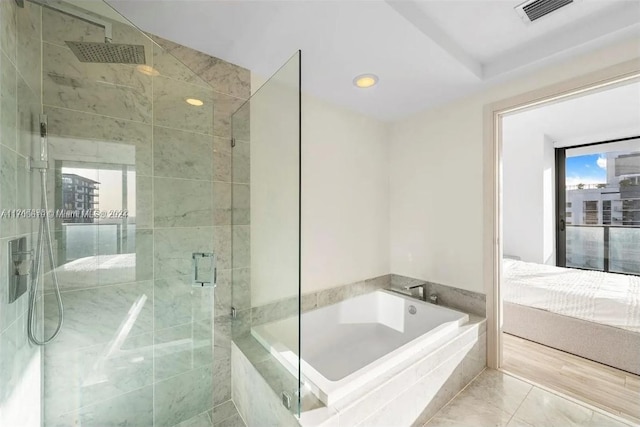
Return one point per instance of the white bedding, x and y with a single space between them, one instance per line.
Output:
606 298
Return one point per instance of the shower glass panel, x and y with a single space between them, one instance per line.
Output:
266 232
130 188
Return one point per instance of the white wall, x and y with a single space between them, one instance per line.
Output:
437 170
274 190
528 192
345 196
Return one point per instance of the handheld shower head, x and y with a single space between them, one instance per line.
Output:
40 160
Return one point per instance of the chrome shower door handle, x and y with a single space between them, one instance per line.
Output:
205 271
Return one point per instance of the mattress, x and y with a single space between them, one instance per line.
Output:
605 298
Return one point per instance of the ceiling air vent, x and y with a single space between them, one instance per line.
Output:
533 10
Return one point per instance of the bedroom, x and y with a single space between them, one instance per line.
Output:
571 254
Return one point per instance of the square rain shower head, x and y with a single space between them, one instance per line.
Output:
108 53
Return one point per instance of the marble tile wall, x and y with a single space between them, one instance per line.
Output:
231 88
20 361
141 345
254 397
466 301
449 296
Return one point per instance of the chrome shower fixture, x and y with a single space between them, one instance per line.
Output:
96 52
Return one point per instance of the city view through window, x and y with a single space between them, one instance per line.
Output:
602 211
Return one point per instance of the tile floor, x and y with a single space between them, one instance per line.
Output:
498 399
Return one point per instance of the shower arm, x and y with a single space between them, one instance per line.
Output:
76 13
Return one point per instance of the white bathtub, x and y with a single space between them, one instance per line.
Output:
348 345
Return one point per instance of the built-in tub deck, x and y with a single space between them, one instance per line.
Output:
356 343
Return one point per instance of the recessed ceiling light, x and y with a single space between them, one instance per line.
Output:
365 80
194 101
147 70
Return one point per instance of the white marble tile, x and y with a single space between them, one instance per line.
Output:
222 337
481 415
8 103
223 294
241 246
241 169
309 302
7 311
23 194
20 378
221 380
241 288
183 396
476 360
28 119
375 283
233 421
241 123
165 63
600 420
81 377
274 311
177 301
182 348
241 324
241 204
223 108
222 246
180 154
544 408
174 248
144 202
28 48
223 76
171 110
257 403
223 411
182 202
333 295
8 24
222 159
76 129
496 390
95 316
114 90
130 409
222 203
463 342
200 420
8 184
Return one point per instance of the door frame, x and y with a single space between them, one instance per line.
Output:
619 74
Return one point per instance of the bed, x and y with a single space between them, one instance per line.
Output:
592 314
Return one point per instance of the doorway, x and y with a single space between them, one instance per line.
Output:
550 251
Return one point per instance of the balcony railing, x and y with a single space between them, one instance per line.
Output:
610 248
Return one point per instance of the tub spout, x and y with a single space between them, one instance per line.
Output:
420 288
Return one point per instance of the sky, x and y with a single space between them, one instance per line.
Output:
588 169
110 190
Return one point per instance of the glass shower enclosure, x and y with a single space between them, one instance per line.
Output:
266 205
145 228
125 138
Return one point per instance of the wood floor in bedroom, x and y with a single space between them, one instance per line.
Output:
611 389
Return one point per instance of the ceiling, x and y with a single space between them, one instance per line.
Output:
425 52
601 116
